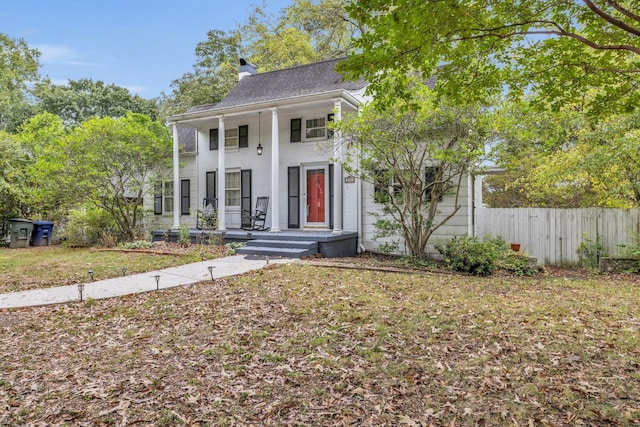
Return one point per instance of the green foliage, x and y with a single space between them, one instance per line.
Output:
590 251
560 51
233 246
18 68
516 263
471 255
87 226
136 244
306 31
184 235
81 100
415 152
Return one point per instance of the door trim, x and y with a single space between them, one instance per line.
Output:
327 201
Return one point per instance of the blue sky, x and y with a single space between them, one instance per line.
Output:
139 44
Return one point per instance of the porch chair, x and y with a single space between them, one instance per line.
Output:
207 217
256 222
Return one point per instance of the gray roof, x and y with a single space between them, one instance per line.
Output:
187 138
310 79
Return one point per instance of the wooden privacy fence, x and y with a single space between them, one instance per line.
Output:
554 235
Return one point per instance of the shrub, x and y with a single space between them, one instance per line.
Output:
516 263
136 244
184 235
470 255
87 226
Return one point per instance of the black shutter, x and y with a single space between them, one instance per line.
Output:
331 192
185 196
294 197
296 130
213 139
429 178
157 199
211 190
245 196
243 136
381 186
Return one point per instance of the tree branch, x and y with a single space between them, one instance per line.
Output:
623 11
610 19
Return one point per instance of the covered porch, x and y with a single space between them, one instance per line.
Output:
286 243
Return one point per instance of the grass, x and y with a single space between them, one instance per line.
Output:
48 266
304 345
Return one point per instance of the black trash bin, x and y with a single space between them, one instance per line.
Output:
20 230
42 231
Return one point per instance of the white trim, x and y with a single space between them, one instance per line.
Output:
176 179
275 172
221 176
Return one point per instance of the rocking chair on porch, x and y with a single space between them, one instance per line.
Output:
256 222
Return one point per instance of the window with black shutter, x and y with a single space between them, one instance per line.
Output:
381 183
429 179
296 130
157 199
243 136
213 139
185 196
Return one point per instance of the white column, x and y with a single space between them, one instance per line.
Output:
221 177
176 179
337 172
275 172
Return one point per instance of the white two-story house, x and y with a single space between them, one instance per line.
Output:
269 138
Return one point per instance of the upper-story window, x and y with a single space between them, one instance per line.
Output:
310 129
233 138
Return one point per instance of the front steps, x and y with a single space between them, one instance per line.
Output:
282 248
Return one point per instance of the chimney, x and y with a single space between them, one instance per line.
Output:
246 69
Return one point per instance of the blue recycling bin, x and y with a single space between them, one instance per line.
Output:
42 231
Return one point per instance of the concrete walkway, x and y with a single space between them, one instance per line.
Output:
136 283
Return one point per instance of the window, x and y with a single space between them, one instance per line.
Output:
316 128
231 138
430 176
232 189
167 195
243 136
185 197
381 183
213 139
296 130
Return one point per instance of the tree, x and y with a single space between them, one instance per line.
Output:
12 160
18 68
110 163
415 153
557 49
115 162
305 32
80 100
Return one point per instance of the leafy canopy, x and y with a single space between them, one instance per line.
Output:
556 49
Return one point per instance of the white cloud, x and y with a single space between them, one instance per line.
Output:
136 89
59 54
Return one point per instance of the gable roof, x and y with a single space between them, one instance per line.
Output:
309 79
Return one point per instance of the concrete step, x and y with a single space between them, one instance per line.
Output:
276 252
297 244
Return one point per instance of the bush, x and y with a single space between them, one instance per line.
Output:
516 263
88 226
470 255
136 244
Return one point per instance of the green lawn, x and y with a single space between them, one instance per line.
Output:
303 345
47 266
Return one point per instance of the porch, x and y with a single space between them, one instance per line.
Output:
286 243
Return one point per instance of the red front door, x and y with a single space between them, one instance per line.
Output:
316 196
